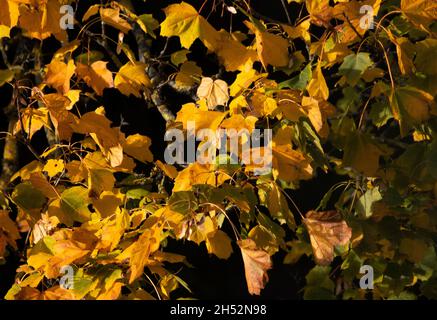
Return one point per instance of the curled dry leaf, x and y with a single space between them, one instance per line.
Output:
256 264
326 230
215 92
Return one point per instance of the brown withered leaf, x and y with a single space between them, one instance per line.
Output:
256 264
326 230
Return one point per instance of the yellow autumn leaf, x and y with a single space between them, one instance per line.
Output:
244 79
109 139
420 12
53 167
169 170
320 11
137 146
234 55
62 119
108 203
8 232
262 105
184 21
73 96
238 122
197 173
317 87
202 119
39 181
140 251
300 31
97 76
112 17
33 120
59 74
218 243
132 79
8 16
35 21
411 106
272 49
289 164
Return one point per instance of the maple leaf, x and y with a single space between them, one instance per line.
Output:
234 55
272 49
256 264
326 230
184 21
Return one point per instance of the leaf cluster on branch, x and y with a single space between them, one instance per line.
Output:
344 91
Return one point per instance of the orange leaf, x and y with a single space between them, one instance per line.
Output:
326 230
256 264
97 76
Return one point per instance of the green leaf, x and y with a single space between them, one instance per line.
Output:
353 67
137 193
27 197
411 106
319 285
148 24
365 202
380 113
74 202
298 82
6 76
